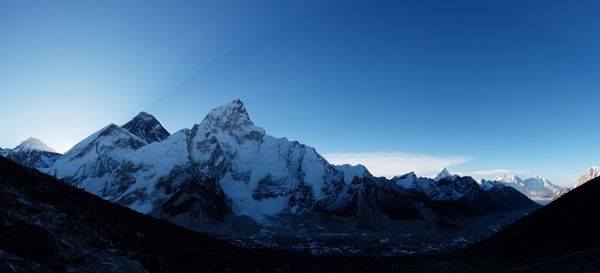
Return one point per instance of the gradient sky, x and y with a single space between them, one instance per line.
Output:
484 87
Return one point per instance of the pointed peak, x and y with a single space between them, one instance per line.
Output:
34 144
235 106
146 127
443 174
229 115
231 119
406 175
237 101
144 115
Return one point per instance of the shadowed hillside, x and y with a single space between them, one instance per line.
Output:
568 224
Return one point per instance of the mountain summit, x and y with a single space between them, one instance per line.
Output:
230 123
32 153
231 114
589 174
34 144
146 127
443 174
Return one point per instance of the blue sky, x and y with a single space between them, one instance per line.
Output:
485 87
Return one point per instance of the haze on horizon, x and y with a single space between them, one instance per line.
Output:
484 88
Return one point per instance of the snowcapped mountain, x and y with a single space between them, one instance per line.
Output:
225 167
146 127
536 187
509 178
589 174
32 153
99 162
463 195
352 171
408 181
444 187
252 173
33 144
443 174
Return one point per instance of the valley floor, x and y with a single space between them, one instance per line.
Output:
336 235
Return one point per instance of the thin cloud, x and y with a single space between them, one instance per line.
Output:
392 164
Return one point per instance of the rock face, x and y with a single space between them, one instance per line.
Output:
146 127
227 167
32 153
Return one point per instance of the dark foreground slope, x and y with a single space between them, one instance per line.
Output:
49 226
568 225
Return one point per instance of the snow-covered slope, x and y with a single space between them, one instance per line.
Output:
540 186
589 174
98 163
443 174
408 181
32 153
352 171
260 175
536 187
226 167
463 195
509 178
33 144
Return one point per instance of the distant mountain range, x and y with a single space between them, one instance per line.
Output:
539 188
535 188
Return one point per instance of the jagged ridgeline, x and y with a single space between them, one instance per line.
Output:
226 166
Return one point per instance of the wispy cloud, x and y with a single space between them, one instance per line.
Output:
489 174
392 164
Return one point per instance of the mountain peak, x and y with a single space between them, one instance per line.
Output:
231 118
34 144
589 174
146 127
509 178
144 116
443 174
233 112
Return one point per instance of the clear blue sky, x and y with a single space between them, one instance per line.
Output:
477 85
